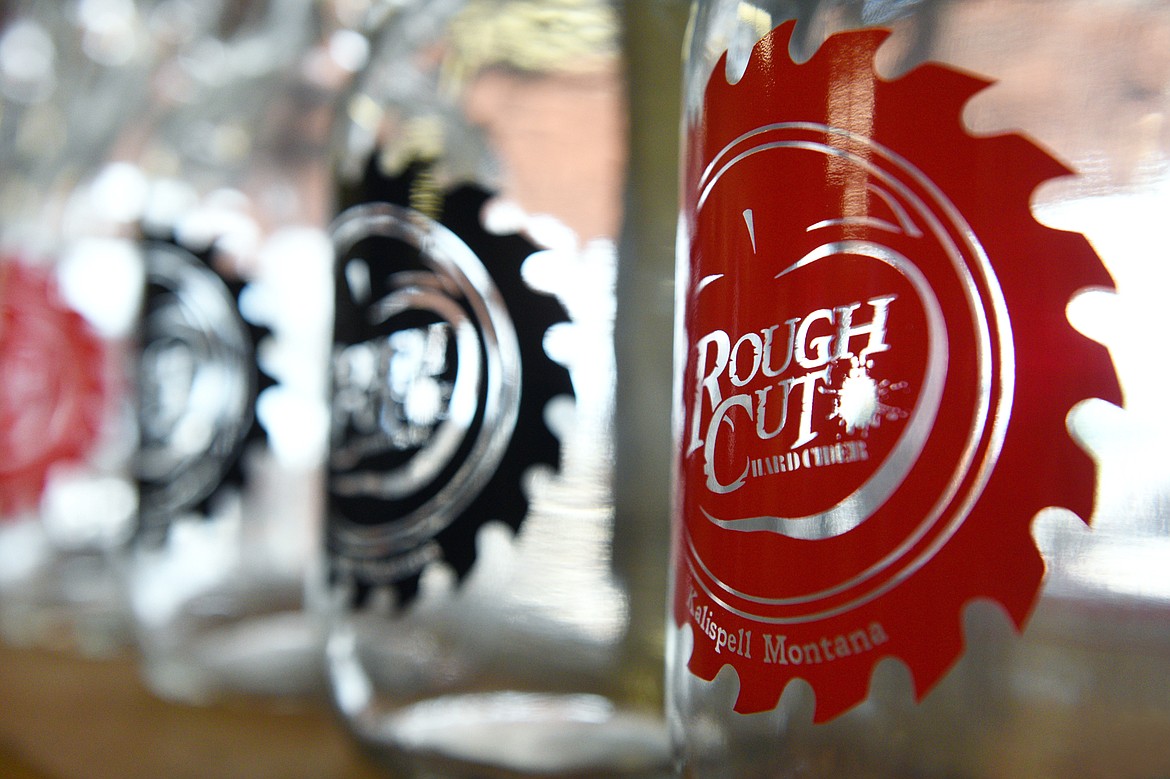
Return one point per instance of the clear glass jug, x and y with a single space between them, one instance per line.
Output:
482 615
920 519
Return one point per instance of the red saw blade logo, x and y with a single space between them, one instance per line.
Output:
878 372
52 386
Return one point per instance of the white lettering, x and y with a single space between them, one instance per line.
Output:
757 355
825 649
876 329
737 642
722 344
819 344
788 404
717 421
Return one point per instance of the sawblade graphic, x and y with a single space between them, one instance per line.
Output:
440 383
878 376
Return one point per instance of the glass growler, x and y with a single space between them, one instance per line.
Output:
481 616
919 520
232 344
68 81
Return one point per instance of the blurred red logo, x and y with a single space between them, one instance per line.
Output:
52 384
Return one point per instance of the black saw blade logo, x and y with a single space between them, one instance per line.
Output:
197 385
439 385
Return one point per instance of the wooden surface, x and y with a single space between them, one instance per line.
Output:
64 717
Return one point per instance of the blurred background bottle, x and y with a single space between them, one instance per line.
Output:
1009 618
228 171
69 78
483 620
164 222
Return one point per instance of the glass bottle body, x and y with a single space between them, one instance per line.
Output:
480 622
1014 681
231 417
231 353
66 494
